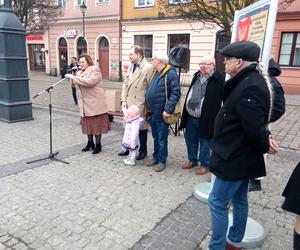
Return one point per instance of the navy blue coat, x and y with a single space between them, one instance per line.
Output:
241 136
210 107
155 95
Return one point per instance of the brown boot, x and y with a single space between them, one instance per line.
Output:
201 171
188 165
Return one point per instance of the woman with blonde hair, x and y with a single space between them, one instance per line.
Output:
91 102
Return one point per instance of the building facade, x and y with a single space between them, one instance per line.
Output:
286 47
147 24
97 34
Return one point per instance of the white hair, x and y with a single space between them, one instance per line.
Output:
260 68
134 109
209 58
161 56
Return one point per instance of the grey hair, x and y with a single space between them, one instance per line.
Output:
261 69
161 56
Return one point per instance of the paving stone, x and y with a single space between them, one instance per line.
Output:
97 203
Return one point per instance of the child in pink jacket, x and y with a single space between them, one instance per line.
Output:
130 140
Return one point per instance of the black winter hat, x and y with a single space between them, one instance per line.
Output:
246 50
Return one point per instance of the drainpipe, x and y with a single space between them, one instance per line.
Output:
120 41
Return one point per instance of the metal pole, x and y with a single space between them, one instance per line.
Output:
83 31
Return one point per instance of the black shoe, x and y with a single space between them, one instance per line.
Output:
97 149
141 156
89 145
296 240
254 185
123 153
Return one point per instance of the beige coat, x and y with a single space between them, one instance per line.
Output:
91 97
136 84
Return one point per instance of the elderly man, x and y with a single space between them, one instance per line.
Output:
241 137
203 101
159 107
133 92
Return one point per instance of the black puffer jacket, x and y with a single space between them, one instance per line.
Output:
210 107
278 108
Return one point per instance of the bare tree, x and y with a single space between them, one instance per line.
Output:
220 12
35 14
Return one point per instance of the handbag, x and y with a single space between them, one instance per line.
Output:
175 116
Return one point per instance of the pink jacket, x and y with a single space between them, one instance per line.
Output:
91 97
131 133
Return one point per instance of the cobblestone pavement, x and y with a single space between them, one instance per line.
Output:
96 202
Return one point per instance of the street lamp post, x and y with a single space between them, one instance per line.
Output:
83 8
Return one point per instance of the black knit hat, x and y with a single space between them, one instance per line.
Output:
246 50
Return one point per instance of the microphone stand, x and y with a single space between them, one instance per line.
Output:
51 155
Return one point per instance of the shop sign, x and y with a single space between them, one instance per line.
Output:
34 38
70 32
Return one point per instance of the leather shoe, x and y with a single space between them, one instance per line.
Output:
123 153
152 163
141 156
201 171
231 247
188 165
160 167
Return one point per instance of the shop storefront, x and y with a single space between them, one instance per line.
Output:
36 53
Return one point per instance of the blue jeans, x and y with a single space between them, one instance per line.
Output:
221 193
160 137
193 142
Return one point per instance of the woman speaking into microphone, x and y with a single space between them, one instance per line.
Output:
91 102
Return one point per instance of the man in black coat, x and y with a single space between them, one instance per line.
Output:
202 103
241 138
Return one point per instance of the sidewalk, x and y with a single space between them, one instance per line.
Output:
96 202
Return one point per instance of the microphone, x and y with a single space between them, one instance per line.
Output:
74 69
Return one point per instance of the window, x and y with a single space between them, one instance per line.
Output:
290 49
178 39
78 2
146 42
144 3
179 1
102 1
61 3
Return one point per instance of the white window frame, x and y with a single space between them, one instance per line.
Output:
144 5
64 3
179 2
146 34
76 3
102 1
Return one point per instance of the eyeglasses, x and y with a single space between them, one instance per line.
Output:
205 64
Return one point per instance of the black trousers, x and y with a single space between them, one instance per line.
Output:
143 141
74 95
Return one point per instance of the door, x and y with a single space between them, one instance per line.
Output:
37 57
81 46
63 56
222 41
104 57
